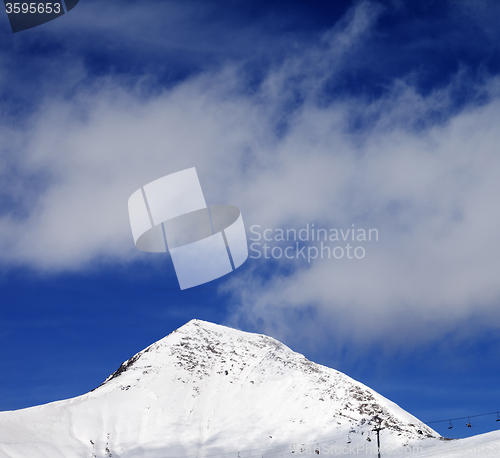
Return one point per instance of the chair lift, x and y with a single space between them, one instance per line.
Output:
498 416
293 450
468 423
317 449
368 437
450 426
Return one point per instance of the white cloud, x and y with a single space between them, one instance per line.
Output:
431 191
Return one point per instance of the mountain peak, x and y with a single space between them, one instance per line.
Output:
206 389
200 345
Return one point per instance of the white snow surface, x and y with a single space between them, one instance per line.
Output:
209 390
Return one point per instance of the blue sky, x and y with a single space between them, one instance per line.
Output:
379 114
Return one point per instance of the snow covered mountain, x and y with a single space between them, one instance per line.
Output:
207 390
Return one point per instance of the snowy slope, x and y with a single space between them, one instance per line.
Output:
482 445
209 390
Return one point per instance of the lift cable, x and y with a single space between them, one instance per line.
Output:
463 418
